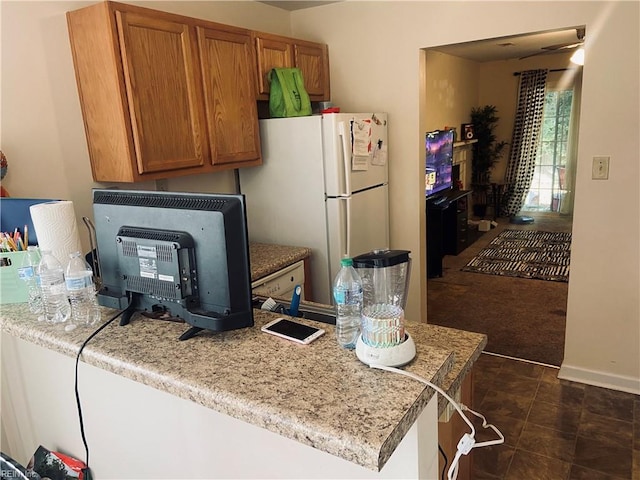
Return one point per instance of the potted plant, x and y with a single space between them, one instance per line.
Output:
487 152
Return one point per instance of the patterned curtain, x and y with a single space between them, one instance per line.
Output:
524 142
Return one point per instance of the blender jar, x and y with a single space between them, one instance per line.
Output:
385 281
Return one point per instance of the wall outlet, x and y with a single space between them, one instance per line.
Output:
600 168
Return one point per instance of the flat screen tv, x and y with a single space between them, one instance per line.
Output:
180 256
438 162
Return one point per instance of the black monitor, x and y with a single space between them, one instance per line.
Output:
175 255
438 162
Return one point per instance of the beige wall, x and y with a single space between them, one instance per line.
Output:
447 87
375 65
376 59
498 86
452 90
455 85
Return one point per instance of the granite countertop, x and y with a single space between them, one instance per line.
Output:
332 401
267 258
467 347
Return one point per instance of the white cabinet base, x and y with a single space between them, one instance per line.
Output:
135 431
280 284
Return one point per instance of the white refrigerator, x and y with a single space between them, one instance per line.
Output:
323 184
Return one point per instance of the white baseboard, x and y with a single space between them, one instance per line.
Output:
600 379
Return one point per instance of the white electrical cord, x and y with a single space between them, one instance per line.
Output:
468 441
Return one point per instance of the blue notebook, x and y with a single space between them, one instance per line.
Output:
14 213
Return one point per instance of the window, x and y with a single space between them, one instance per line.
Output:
547 188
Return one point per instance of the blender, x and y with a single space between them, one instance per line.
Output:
385 282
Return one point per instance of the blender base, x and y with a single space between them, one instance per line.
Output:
395 356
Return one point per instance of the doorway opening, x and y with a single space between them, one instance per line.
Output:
473 301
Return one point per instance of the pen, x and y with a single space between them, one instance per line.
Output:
13 244
19 242
26 235
8 243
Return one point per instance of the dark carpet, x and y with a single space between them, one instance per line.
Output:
525 253
521 318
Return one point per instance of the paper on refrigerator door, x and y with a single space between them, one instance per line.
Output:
361 136
359 163
379 156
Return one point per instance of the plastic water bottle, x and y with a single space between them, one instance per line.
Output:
81 291
27 273
347 294
55 305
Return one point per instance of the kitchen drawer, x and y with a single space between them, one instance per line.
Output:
281 283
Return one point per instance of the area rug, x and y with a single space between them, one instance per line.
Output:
526 254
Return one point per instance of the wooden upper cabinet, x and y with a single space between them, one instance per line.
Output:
313 61
227 63
271 53
163 95
311 58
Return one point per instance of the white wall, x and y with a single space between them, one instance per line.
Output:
42 130
375 65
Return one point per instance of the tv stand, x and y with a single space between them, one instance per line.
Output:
447 228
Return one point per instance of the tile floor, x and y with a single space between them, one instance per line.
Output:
554 430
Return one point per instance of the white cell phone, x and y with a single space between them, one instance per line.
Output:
294 331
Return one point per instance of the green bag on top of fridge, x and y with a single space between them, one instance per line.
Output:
287 96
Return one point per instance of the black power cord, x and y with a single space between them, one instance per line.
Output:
84 344
446 462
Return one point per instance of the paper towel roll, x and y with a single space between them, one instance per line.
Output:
56 228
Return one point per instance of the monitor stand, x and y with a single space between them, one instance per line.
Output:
192 332
127 314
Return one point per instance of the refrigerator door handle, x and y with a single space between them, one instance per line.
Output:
346 157
346 226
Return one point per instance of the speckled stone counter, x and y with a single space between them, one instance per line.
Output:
267 258
467 347
334 403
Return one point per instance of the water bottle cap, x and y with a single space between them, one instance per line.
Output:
346 262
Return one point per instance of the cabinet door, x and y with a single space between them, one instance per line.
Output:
313 62
228 80
167 121
271 53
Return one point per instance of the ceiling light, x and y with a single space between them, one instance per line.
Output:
578 57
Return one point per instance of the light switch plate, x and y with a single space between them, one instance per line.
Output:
600 168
